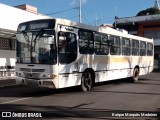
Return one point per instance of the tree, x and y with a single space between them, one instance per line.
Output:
149 11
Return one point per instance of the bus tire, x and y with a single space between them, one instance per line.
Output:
86 81
135 75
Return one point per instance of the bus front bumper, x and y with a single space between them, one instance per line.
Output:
48 83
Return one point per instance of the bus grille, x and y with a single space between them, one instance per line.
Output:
31 75
38 70
31 70
25 69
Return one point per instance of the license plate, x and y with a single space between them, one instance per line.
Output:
31 82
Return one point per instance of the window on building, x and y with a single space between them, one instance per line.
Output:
126 46
135 47
143 48
7 44
155 34
86 44
149 49
115 45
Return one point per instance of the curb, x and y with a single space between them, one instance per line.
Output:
156 70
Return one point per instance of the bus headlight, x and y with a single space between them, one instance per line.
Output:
53 76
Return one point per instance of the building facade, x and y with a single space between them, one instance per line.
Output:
10 18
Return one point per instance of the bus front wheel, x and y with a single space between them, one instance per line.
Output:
135 74
86 81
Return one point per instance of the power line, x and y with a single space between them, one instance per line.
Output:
62 11
85 17
74 17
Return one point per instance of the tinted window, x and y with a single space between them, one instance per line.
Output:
101 47
115 45
125 46
85 42
142 48
67 46
149 49
135 47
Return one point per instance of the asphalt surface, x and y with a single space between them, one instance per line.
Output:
112 100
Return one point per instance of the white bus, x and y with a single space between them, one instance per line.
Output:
58 53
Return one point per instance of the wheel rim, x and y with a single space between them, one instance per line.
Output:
86 82
136 74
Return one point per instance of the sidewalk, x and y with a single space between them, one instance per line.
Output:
7 81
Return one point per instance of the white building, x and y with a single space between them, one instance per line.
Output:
10 18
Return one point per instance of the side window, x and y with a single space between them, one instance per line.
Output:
135 47
149 49
143 48
67 46
101 46
115 47
86 44
126 46
97 40
62 42
104 45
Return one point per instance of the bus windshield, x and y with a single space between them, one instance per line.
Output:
36 47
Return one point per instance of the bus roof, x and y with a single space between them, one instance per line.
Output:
106 29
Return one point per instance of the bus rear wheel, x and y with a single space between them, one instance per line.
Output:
86 81
135 75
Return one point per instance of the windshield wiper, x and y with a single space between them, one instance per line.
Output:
25 36
40 33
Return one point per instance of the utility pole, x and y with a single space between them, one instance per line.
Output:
80 11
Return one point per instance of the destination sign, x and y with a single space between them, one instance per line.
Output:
38 26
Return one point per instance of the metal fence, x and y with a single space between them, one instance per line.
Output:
6 71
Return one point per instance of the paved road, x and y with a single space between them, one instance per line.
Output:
108 100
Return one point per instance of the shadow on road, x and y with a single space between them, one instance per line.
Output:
28 91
